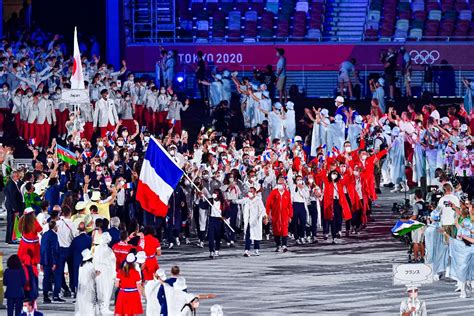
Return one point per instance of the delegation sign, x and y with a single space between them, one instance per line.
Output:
412 274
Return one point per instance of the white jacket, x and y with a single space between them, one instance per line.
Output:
105 112
253 213
32 111
46 112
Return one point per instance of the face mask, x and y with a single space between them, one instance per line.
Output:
231 180
363 157
250 195
310 180
205 176
125 134
251 153
412 294
120 143
214 196
29 94
356 173
25 309
348 148
335 103
122 182
253 179
280 187
98 173
135 158
146 138
5 89
100 144
186 182
133 146
299 182
50 160
343 169
334 176
172 153
108 183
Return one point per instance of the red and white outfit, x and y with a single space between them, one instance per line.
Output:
151 263
105 116
31 116
29 249
45 120
128 299
280 210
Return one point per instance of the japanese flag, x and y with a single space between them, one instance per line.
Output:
77 78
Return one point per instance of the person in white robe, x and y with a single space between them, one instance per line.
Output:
105 263
152 287
290 121
86 297
253 214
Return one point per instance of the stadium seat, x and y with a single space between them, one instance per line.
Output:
302 6
435 15
250 26
234 25
465 15
416 34
202 34
314 35
272 6
373 16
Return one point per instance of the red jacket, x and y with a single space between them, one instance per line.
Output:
329 197
368 171
280 210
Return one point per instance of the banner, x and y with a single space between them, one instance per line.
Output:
300 57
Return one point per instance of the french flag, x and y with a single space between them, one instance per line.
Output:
159 177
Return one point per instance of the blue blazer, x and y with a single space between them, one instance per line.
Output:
35 313
79 243
14 280
115 234
49 250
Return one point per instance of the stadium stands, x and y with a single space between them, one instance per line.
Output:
390 20
251 21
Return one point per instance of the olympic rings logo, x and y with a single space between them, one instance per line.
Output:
424 57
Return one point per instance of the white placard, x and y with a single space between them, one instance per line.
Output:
75 96
412 274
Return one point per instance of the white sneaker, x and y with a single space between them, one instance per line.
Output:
268 236
285 249
298 241
200 244
303 241
395 189
228 244
256 252
278 249
232 243
188 242
171 246
177 241
246 253
216 253
436 277
309 239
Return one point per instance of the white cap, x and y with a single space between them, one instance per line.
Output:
325 112
266 93
216 310
463 128
387 130
396 131
445 120
130 258
339 99
263 86
28 210
161 273
290 105
226 73
180 284
277 105
381 81
141 257
81 205
358 119
383 120
86 254
95 196
219 77
298 139
338 118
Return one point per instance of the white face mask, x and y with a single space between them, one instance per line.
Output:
231 180
281 187
25 309
50 160
299 182
335 103
356 173
186 182
120 143
343 169
100 144
310 180
147 139
363 157
347 148
334 176
250 195
125 134
135 158
214 196
122 182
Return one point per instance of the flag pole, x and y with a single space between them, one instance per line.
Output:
205 199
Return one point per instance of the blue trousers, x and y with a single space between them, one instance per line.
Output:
64 256
256 243
233 210
299 219
313 213
215 233
48 277
14 306
336 223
